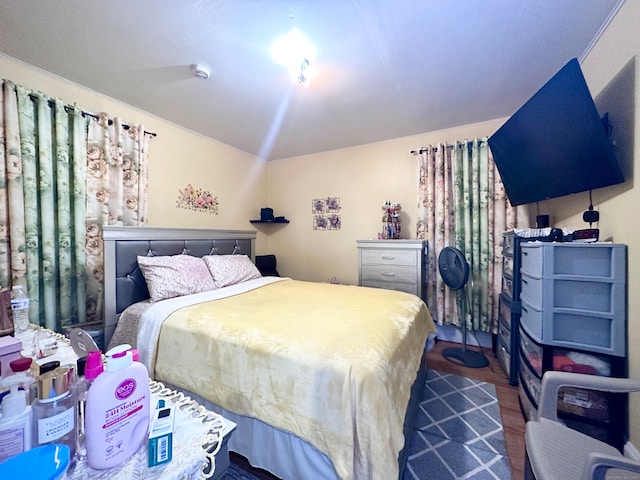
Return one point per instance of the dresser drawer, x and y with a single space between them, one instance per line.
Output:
389 273
388 257
400 287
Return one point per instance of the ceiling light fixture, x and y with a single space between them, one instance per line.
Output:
303 78
201 71
295 52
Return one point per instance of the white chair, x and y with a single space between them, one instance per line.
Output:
557 452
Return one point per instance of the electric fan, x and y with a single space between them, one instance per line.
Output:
454 270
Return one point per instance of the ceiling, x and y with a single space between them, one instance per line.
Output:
385 68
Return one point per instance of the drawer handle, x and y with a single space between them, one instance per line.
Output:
524 309
525 282
388 274
388 257
525 253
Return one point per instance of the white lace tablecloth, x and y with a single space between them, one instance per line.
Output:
197 437
197 434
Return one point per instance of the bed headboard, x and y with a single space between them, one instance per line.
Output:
123 280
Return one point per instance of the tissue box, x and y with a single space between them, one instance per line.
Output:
161 435
10 348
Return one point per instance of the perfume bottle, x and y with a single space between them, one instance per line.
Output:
54 410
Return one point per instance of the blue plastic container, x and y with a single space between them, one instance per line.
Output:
49 462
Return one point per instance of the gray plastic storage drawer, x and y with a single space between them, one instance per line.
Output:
531 291
508 244
605 260
582 294
507 266
591 332
531 320
532 352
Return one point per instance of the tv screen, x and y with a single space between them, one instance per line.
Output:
556 143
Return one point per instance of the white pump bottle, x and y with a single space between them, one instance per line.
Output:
15 423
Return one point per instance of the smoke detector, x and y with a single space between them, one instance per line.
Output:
200 70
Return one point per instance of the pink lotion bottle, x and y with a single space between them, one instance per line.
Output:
117 410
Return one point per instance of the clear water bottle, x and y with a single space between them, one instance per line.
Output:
20 309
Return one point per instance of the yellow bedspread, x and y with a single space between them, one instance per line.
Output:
333 364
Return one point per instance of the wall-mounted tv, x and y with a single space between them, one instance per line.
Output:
556 143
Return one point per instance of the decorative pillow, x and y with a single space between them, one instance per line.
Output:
175 275
231 269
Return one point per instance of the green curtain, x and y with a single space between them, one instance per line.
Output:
462 203
42 181
473 234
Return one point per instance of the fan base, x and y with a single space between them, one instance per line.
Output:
466 358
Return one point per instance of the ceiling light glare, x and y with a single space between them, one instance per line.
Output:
291 49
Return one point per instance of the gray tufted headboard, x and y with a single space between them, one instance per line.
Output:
123 280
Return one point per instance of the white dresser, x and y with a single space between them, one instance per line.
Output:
394 265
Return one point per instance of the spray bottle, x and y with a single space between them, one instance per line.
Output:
15 423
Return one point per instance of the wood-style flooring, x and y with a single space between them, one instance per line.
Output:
512 419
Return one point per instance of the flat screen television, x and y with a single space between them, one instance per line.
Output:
556 143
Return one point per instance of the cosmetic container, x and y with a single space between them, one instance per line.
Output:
15 423
117 410
54 410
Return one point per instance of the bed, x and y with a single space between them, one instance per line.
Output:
323 380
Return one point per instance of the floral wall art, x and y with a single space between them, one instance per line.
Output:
197 199
326 213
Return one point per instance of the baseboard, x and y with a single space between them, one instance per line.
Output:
449 333
631 451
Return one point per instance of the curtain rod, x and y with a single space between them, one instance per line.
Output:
433 149
69 108
447 146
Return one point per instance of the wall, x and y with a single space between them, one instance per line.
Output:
363 177
613 53
178 157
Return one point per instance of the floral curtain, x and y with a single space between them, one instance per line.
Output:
63 176
462 203
42 210
436 223
117 158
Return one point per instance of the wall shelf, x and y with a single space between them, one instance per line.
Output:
270 221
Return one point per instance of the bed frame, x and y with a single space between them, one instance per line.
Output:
124 285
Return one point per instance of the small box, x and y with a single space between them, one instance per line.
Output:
266 214
161 435
10 348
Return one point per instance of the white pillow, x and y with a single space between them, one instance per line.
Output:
175 275
231 269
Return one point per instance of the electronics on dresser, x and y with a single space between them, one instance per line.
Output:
585 235
555 235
